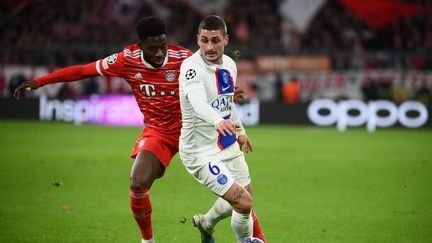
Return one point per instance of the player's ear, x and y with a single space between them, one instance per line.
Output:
226 39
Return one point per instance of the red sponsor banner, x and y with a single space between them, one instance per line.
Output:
380 13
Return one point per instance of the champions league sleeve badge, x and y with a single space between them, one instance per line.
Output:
112 59
190 74
109 60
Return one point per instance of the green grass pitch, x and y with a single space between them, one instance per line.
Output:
311 185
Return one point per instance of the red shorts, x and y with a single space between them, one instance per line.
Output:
163 146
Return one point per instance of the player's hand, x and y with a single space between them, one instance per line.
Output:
245 144
238 94
227 127
24 87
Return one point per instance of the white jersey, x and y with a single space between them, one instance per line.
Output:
206 98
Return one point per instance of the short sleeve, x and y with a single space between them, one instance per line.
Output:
112 65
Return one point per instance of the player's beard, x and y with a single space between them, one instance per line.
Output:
155 64
213 57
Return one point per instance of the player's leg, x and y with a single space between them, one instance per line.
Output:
152 152
257 231
206 222
146 169
212 173
241 220
235 161
241 202
220 210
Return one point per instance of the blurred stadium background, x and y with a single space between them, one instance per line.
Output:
334 49
312 184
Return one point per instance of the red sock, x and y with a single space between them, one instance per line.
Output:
257 232
142 209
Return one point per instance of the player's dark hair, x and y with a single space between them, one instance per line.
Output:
149 27
213 22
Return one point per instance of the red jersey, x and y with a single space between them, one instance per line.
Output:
156 90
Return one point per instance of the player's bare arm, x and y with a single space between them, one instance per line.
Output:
245 144
26 86
239 94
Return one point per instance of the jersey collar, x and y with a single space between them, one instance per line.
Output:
149 65
210 64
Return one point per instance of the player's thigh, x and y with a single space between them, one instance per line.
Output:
248 188
145 170
239 198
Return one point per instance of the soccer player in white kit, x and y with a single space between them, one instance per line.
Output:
212 136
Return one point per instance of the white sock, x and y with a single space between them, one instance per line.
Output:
148 241
241 224
220 210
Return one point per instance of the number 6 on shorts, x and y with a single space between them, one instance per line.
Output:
214 169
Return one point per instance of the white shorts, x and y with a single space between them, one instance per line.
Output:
220 171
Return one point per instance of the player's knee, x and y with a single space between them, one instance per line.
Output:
138 182
137 186
244 205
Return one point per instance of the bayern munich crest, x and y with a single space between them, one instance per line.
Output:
170 77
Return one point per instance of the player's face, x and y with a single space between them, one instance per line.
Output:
212 44
154 50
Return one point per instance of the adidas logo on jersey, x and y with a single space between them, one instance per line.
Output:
138 75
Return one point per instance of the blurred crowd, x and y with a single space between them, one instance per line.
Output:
403 45
63 32
54 33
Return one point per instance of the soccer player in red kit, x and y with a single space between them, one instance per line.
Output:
151 68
